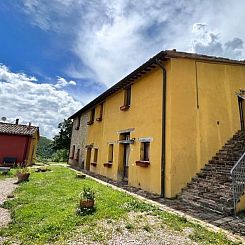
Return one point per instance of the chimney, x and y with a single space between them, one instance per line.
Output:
29 125
17 121
174 50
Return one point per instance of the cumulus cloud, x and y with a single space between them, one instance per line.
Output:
62 82
208 42
43 104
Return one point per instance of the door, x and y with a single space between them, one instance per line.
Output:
241 112
88 159
126 161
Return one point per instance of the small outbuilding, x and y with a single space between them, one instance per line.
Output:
18 143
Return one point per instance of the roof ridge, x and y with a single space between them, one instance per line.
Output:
24 125
191 55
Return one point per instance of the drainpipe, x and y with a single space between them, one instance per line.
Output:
160 64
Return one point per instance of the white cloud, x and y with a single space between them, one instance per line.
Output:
62 82
45 13
207 42
45 105
112 37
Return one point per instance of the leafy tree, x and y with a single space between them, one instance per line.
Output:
44 148
63 139
60 155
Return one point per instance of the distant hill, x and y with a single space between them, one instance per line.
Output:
44 148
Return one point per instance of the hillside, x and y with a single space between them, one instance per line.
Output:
44 148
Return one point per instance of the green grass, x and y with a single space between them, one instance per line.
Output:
10 174
44 210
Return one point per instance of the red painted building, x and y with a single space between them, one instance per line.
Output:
18 142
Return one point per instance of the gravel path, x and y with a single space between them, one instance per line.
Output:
138 229
6 188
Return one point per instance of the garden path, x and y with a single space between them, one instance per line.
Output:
7 186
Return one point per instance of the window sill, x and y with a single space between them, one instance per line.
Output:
90 122
143 163
124 107
108 164
99 119
93 164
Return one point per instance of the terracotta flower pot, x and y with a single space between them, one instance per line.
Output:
22 177
88 203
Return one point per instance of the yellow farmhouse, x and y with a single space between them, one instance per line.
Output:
160 125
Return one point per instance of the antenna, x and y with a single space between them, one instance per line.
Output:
3 119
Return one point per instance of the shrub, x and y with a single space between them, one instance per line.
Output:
60 156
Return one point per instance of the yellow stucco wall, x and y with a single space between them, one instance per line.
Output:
201 115
145 117
194 134
32 149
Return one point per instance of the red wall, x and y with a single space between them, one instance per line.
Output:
13 146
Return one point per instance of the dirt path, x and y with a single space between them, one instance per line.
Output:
6 188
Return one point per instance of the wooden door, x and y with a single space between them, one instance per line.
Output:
88 159
126 161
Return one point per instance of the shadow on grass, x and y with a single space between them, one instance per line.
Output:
85 211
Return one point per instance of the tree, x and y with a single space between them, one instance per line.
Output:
63 139
44 148
60 155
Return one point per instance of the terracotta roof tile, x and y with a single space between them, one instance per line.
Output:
17 129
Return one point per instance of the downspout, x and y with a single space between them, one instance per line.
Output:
163 157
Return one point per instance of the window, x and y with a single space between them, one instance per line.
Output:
92 113
95 155
99 118
127 99
124 137
145 151
110 153
72 152
78 120
77 155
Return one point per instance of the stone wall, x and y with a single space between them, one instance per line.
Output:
78 140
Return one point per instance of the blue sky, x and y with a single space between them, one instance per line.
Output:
58 55
43 53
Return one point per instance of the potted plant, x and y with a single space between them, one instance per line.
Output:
22 174
87 198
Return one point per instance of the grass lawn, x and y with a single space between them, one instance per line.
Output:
44 211
10 174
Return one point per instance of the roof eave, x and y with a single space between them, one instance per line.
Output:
15 134
163 55
137 73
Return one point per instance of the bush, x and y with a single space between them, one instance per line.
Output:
60 156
